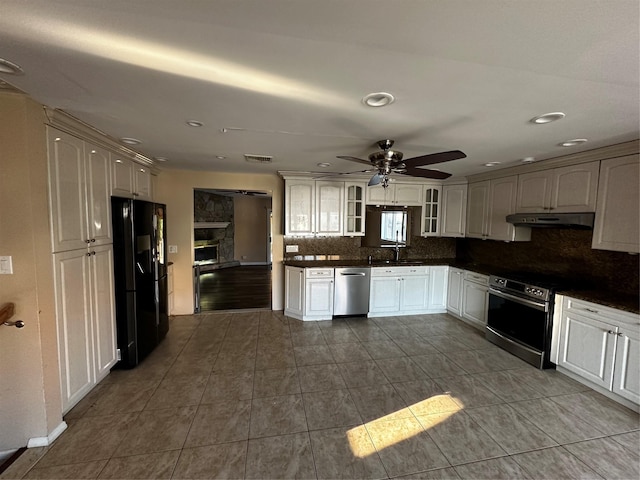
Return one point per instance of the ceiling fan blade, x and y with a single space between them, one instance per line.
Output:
432 158
375 180
354 159
329 175
426 173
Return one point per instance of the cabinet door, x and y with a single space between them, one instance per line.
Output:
477 209
454 291
534 192
73 316
587 348
121 176
617 222
454 211
67 191
378 195
474 302
142 184
328 218
438 281
626 376
384 295
299 207
103 310
318 300
294 291
502 202
574 188
98 179
414 293
407 194
354 209
430 224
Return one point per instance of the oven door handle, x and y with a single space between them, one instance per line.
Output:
543 306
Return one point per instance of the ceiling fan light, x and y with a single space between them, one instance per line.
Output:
130 141
378 99
573 143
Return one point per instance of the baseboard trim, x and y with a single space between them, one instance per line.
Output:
49 439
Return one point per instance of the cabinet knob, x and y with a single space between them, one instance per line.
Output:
88 254
93 240
611 332
87 241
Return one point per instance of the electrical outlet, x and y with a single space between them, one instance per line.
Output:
173 249
291 249
6 265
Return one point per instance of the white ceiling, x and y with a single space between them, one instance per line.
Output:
286 77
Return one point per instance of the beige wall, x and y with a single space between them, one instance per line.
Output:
175 189
30 404
251 228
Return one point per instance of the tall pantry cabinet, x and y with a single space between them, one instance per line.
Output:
80 199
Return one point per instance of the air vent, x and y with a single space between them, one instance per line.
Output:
258 158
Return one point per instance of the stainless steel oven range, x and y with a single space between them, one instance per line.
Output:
520 316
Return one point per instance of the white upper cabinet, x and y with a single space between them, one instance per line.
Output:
313 207
454 211
129 179
617 222
431 211
329 208
299 207
354 208
401 194
80 192
559 190
489 203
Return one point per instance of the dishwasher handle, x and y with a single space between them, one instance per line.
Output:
353 274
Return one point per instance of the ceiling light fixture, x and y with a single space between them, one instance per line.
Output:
573 143
194 123
528 160
220 157
547 118
378 99
130 141
9 67
161 159
491 164
324 164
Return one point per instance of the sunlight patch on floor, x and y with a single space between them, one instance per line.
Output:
400 425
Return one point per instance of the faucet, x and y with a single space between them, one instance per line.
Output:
396 250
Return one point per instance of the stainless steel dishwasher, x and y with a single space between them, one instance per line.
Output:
351 291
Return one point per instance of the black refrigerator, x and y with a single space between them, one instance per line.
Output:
140 273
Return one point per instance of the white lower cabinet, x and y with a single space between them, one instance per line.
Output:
468 296
599 346
309 293
407 290
85 310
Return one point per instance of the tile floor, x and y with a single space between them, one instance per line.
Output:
257 395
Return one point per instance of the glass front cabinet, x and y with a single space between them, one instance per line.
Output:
430 224
354 209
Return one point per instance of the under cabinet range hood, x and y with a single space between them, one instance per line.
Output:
550 220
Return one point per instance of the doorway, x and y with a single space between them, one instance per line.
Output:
238 223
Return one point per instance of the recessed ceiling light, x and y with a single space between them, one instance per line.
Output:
547 118
324 164
378 99
220 157
491 164
528 160
130 141
194 123
162 159
573 143
9 67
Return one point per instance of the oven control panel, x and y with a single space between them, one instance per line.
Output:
534 291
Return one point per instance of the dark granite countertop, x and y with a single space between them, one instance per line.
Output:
625 302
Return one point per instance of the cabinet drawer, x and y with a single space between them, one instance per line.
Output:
599 312
476 277
399 271
318 273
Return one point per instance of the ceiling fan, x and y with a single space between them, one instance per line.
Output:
387 161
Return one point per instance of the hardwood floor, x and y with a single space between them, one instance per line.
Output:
235 288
